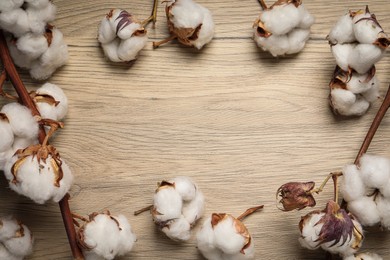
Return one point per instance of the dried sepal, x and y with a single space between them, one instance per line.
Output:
286 2
296 195
126 19
261 30
49 33
3 117
44 98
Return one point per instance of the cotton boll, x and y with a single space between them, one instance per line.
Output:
32 45
281 19
111 50
375 170
21 120
357 83
15 21
6 255
55 112
366 256
54 57
106 33
8 5
276 44
186 14
20 245
117 16
22 143
206 241
185 187
193 210
39 17
372 94
365 30
344 102
385 190
383 206
342 31
107 236
206 32
5 157
365 210
8 228
168 203
37 180
226 236
178 229
364 56
6 133
37 4
307 20
297 39
19 58
128 49
352 186
342 53
311 230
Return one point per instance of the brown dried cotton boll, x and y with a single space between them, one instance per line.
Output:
296 195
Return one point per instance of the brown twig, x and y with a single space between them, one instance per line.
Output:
249 212
263 4
143 210
26 100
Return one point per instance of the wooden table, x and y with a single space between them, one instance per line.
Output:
238 121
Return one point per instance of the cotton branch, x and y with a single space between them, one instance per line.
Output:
25 99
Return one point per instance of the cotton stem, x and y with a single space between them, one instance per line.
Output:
143 210
263 4
321 188
248 212
153 16
170 38
26 100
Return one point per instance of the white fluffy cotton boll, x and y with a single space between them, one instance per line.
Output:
168 203
206 32
348 247
281 19
106 32
128 49
6 133
276 44
310 232
32 45
365 30
37 180
39 17
186 13
383 206
226 237
55 112
364 256
22 143
307 20
357 83
21 120
342 31
19 58
206 241
6 255
372 94
342 53
108 238
53 58
352 186
15 21
364 56
344 102
365 210
20 245
185 187
178 229
8 228
38 4
7 5
111 50
297 39
5 157
193 209
375 170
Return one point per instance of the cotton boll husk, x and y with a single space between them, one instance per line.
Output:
8 5
297 39
375 170
344 102
364 56
54 57
21 245
106 238
6 255
186 14
178 229
275 44
39 17
281 19
7 135
342 31
15 21
226 237
366 31
36 180
111 50
129 49
383 206
193 210
206 241
32 45
342 53
21 120
58 94
349 247
307 20
168 203
206 32
352 186
365 210
310 232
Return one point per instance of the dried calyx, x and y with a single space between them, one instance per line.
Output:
296 195
188 22
223 236
103 235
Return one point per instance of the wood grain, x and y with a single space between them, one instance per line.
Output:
235 119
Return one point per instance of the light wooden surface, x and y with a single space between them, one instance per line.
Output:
235 119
